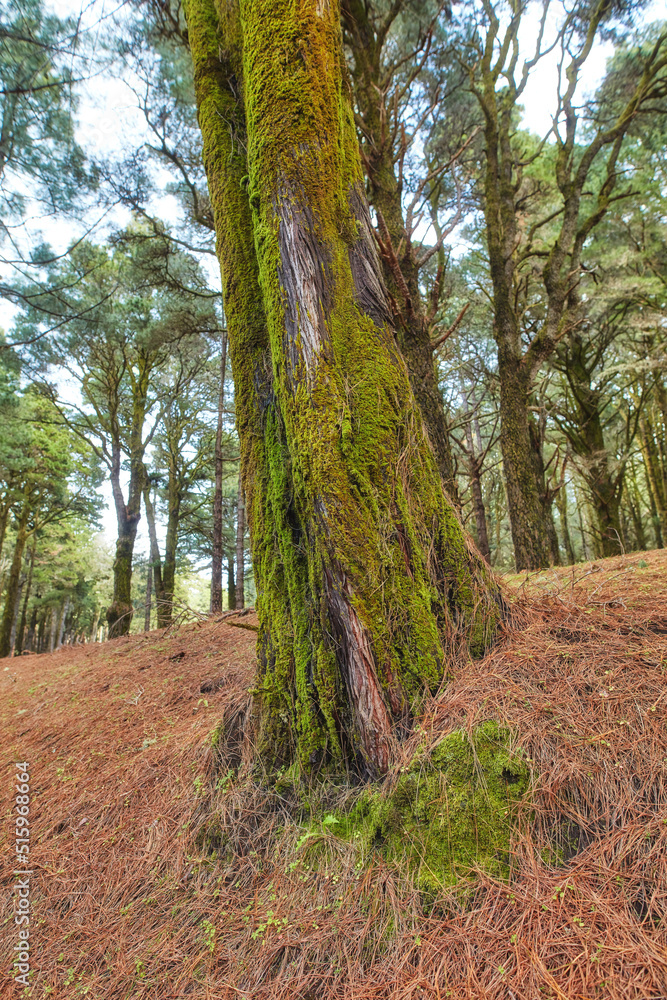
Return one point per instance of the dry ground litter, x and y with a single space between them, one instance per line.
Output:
160 872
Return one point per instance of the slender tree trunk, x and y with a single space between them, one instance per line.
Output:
54 626
120 611
17 606
28 588
41 633
655 473
149 595
655 517
606 503
7 628
637 522
96 625
475 470
161 601
231 583
4 518
171 542
240 548
533 547
217 549
364 575
32 641
561 501
63 619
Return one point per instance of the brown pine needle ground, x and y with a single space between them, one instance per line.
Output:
124 779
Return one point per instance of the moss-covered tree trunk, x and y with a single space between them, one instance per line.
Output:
365 579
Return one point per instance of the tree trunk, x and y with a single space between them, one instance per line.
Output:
171 542
475 472
606 502
655 517
364 576
63 619
32 642
4 518
533 545
240 548
637 522
120 611
655 473
28 588
561 501
161 602
231 583
54 626
217 549
96 625
149 595
8 626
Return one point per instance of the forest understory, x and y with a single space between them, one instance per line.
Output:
165 867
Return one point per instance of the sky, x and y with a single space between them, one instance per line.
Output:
109 118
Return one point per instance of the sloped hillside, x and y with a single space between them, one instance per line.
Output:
162 869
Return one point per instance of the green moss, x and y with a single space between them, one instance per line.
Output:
450 810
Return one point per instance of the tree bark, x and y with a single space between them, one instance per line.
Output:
655 473
231 583
54 626
240 548
475 472
120 611
400 264
96 625
561 501
364 576
171 541
217 548
63 619
149 601
7 628
28 588
533 547
161 601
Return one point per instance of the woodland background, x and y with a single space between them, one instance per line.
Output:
115 384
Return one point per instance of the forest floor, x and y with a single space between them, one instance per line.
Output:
130 901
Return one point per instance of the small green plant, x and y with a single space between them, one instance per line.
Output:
222 784
139 968
209 934
271 921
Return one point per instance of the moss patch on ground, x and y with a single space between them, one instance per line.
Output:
451 809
